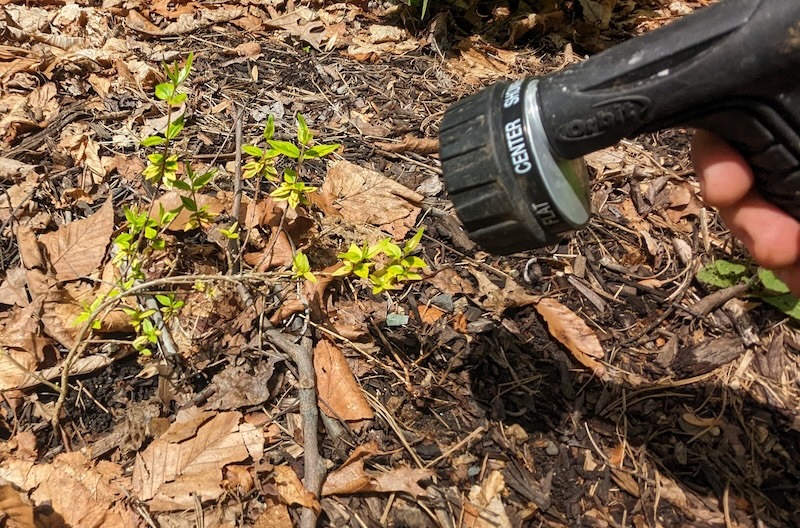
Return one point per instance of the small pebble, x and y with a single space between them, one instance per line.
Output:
443 301
394 319
551 449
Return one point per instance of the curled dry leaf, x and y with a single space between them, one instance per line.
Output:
498 299
573 332
351 477
487 509
291 490
77 139
412 144
363 196
13 505
339 392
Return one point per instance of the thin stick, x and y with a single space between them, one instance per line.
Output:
303 356
233 243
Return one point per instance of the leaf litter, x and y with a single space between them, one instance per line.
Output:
416 415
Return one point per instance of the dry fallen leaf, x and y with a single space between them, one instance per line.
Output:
573 332
412 144
237 386
351 477
430 314
83 493
18 512
498 299
363 196
276 515
77 139
171 201
77 249
339 392
291 490
172 475
486 500
12 289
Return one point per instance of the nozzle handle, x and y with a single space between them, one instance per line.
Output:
732 68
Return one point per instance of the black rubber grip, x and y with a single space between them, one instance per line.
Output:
732 68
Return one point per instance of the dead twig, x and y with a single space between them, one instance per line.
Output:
303 356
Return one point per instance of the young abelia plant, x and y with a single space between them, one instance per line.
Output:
291 189
401 267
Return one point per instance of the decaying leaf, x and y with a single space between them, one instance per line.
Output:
170 474
81 492
498 299
237 386
12 289
573 332
338 389
479 61
363 196
412 144
487 509
77 249
77 139
351 477
276 515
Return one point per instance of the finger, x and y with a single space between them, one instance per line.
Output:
725 177
770 234
791 277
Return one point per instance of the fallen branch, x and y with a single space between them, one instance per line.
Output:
303 356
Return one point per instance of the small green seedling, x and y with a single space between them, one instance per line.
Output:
401 267
764 284
292 191
301 268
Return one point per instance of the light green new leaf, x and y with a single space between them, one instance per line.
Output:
304 136
285 147
252 150
319 151
153 141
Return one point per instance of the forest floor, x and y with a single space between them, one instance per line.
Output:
594 383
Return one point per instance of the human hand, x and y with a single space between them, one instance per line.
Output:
726 181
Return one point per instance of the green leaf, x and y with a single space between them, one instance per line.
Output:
203 179
269 128
181 185
164 91
281 193
285 147
392 250
722 273
319 151
189 203
771 282
303 133
175 128
177 99
153 141
163 300
412 244
786 303
252 150
187 68
413 262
